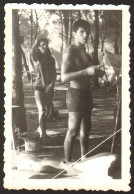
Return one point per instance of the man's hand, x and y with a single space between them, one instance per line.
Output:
90 70
95 70
99 72
48 89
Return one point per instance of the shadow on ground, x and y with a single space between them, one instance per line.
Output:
52 149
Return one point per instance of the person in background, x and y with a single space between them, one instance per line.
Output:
77 68
24 61
45 72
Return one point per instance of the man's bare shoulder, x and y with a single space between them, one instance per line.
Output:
68 56
70 50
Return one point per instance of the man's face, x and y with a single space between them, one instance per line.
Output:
43 46
81 36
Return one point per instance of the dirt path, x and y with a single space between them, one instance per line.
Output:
52 150
102 114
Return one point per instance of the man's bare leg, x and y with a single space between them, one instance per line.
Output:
84 133
39 97
74 121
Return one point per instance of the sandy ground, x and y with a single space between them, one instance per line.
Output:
46 162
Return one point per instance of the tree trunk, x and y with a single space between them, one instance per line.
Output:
79 14
102 43
70 27
62 37
17 86
66 25
62 30
36 25
116 42
92 40
24 64
120 44
31 21
96 44
96 38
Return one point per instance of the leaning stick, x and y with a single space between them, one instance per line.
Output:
116 123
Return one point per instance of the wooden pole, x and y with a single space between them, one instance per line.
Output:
116 119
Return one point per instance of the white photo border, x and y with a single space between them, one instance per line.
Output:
57 184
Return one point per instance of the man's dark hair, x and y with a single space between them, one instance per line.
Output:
81 23
36 55
42 40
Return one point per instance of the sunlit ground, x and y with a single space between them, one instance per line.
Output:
51 151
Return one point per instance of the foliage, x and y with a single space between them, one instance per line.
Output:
57 26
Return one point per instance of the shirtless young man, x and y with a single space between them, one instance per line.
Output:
77 69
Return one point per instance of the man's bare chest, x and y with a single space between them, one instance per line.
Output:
81 60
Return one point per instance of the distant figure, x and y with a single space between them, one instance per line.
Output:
24 62
45 71
77 69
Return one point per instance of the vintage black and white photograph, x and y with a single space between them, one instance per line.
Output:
67 97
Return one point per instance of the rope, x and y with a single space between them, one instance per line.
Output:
89 152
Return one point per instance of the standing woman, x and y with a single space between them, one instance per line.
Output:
45 71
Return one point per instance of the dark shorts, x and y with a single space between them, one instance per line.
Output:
39 88
46 97
79 100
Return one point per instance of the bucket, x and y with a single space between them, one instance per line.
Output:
31 140
31 146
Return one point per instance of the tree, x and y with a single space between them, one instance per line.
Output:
96 37
70 27
17 86
62 30
31 24
113 20
36 24
79 14
66 25
103 31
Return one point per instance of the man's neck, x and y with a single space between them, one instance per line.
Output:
79 45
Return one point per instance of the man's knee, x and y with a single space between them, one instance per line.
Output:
84 135
42 110
84 131
72 132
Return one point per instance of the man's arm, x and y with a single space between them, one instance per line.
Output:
33 52
66 73
31 61
25 65
33 55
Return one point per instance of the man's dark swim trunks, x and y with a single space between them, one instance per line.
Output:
79 100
